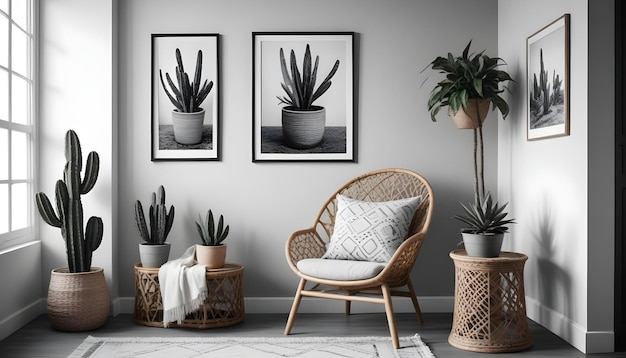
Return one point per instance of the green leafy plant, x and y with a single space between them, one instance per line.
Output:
160 219
300 87
467 76
485 217
188 96
80 243
210 235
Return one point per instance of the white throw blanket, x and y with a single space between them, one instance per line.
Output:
183 287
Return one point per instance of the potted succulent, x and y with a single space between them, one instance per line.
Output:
188 116
472 82
78 297
487 225
303 122
212 252
154 251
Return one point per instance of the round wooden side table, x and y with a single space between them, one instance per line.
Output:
223 307
489 303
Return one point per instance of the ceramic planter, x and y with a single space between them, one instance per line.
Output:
213 257
188 127
154 255
483 245
78 301
468 119
303 129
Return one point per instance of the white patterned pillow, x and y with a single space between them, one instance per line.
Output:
368 230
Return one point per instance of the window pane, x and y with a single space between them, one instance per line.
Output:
19 11
19 101
4 208
19 53
4 95
19 207
4 154
19 156
4 41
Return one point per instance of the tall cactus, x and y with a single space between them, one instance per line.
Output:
80 243
160 220
545 86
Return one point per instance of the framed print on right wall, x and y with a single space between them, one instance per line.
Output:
548 80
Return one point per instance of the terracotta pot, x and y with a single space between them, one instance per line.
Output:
188 127
303 129
78 301
483 245
468 119
154 255
213 257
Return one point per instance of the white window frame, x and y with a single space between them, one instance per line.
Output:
13 238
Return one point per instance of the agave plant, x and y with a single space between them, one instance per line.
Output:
160 220
300 87
188 96
485 217
208 233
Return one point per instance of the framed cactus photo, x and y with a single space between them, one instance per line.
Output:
185 97
548 57
303 102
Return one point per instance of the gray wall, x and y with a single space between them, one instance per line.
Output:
265 202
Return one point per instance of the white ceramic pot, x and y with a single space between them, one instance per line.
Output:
188 127
154 255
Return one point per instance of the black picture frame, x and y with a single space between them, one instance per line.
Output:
166 143
548 80
270 141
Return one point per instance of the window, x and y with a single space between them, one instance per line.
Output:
16 121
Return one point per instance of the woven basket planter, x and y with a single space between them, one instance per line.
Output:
78 301
303 129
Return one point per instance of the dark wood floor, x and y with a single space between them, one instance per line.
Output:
37 339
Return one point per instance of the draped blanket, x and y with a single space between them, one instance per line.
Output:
183 287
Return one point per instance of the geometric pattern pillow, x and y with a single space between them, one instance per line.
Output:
370 231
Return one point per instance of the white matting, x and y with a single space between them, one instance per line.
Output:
233 347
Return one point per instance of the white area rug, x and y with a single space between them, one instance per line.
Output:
233 347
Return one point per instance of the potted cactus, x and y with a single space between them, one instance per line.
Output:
78 297
303 122
154 251
188 116
212 252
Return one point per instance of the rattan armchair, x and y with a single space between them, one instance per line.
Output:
394 279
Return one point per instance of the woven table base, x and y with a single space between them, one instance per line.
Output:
489 303
223 307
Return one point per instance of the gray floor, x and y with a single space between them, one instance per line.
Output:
37 339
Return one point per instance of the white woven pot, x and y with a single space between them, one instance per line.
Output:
303 129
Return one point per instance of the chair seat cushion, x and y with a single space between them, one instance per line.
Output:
370 231
340 270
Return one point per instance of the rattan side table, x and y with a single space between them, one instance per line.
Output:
489 303
223 307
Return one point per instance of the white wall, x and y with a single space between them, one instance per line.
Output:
77 52
265 202
550 184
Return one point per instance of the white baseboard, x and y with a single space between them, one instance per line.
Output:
572 332
20 318
255 305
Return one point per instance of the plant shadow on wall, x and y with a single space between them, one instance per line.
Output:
303 123
188 130
547 101
554 285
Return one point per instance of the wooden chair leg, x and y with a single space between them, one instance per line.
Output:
294 306
416 304
390 317
348 302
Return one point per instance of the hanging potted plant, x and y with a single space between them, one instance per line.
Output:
303 122
154 251
188 116
212 252
78 297
472 82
